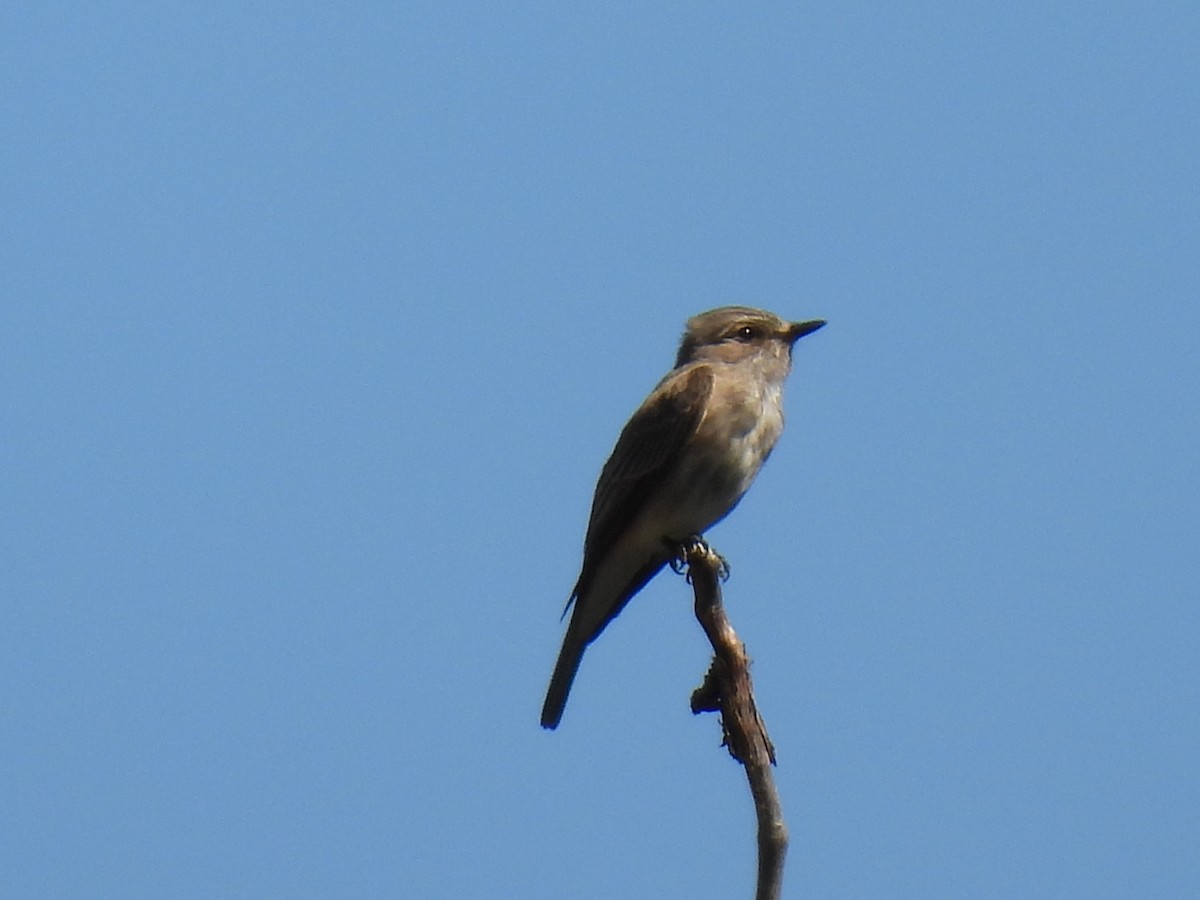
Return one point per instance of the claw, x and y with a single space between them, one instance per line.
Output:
682 551
723 570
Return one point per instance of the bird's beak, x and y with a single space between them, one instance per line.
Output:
798 330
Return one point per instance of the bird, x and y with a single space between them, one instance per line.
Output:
680 465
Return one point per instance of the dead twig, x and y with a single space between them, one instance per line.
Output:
727 689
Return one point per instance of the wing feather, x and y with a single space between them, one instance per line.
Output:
647 447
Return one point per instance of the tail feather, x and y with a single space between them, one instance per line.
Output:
594 608
569 659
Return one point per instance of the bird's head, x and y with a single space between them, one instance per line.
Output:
733 333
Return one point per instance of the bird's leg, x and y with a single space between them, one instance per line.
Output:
680 550
695 543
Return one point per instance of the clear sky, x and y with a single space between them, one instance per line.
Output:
318 321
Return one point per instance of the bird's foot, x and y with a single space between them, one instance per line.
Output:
682 551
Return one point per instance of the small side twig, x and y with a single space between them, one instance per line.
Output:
727 689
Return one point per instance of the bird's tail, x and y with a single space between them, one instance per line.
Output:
569 658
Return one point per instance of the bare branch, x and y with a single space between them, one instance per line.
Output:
727 689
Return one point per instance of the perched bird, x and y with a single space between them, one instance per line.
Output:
680 465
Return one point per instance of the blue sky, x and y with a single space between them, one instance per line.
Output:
317 324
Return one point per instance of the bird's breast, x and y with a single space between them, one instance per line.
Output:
720 462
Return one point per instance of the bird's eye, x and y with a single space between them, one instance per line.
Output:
746 333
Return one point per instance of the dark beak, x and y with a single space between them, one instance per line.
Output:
800 329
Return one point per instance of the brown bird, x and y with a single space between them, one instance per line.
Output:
681 464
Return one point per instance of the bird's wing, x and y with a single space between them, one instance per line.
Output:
648 445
